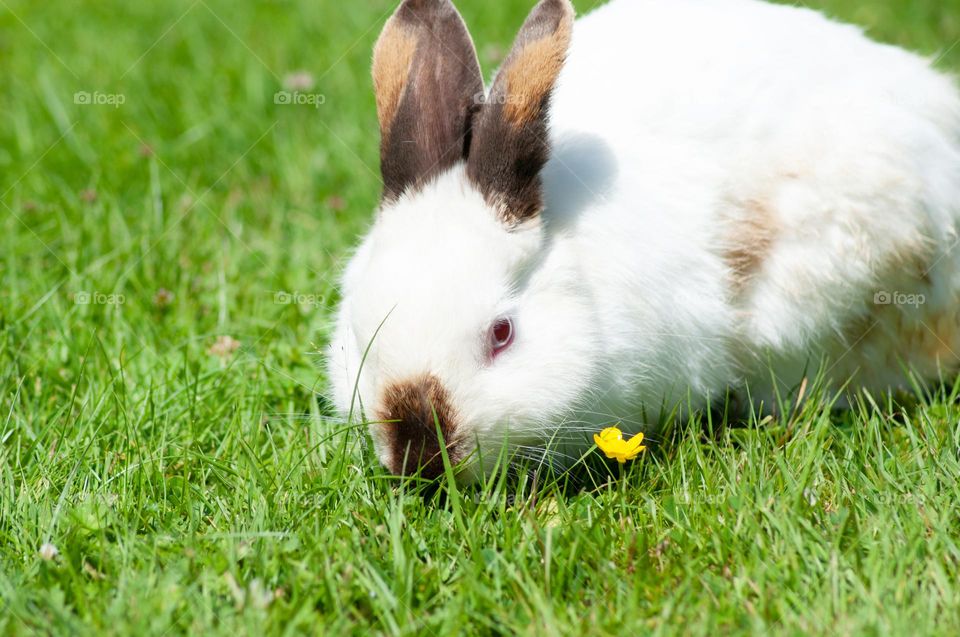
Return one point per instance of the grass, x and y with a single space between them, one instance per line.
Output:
187 487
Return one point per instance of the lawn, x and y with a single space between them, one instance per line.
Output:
171 229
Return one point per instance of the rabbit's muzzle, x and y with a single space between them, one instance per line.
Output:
415 415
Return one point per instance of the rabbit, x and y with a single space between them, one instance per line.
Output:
651 206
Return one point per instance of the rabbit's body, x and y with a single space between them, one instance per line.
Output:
741 182
733 192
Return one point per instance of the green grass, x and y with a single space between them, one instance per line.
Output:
189 492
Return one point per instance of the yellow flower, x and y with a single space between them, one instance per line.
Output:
611 442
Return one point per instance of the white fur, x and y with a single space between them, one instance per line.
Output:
667 117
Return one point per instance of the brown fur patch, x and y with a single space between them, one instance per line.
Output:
927 343
902 324
749 240
532 74
936 340
426 76
510 145
916 256
392 58
410 412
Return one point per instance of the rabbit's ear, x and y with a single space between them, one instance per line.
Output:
427 81
509 146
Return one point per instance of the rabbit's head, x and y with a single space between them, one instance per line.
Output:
446 330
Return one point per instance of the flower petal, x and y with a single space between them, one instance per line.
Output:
635 443
611 434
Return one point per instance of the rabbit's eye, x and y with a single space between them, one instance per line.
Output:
501 335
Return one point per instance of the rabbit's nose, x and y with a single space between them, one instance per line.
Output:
411 411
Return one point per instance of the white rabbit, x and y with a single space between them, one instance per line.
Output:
661 202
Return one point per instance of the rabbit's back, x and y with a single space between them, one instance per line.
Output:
758 183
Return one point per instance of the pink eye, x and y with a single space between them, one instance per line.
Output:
501 335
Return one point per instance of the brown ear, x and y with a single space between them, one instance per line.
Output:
426 77
509 146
